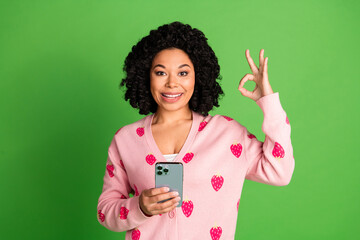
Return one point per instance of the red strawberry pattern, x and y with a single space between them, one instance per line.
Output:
217 181
188 156
140 131
150 159
227 118
236 149
187 207
101 216
135 235
251 136
278 151
122 164
215 232
136 191
110 169
202 125
123 212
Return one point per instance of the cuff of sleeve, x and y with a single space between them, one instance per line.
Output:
139 215
270 105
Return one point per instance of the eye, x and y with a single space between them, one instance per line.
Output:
157 73
186 73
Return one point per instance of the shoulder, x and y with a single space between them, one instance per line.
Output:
220 122
235 126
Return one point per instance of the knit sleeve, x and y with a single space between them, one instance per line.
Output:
272 161
116 210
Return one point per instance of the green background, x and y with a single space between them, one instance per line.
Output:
60 67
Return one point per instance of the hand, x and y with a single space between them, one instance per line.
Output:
259 76
149 199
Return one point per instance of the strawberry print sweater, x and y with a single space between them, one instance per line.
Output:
218 154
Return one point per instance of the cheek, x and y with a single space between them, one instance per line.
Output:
153 90
154 85
190 84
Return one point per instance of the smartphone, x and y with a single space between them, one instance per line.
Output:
170 174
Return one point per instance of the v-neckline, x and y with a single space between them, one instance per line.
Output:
196 118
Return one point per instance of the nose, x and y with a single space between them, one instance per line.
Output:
172 80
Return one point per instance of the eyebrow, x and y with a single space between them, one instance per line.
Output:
182 65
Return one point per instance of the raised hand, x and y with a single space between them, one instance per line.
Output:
259 76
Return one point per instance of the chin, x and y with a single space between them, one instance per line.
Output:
173 107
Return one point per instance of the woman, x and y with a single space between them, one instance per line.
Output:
172 73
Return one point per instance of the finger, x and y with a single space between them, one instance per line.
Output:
245 79
265 66
253 66
152 204
243 90
165 210
261 60
156 207
156 191
169 203
163 196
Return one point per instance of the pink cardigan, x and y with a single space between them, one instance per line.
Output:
218 154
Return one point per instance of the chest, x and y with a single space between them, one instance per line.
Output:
170 140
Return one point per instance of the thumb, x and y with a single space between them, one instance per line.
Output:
244 92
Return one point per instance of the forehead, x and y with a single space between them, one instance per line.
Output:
173 55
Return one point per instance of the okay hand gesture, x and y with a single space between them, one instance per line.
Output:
259 76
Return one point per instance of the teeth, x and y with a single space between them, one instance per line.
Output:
172 96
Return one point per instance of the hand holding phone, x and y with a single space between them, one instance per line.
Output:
149 199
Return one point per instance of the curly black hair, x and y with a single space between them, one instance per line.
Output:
174 35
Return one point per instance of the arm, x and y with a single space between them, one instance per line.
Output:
116 211
270 162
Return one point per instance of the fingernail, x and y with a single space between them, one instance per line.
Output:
166 189
175 193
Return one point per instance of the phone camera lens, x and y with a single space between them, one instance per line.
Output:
159 172
159 167
166 170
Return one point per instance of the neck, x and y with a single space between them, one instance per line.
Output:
171 117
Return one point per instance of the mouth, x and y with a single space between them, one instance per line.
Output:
172 98
171 95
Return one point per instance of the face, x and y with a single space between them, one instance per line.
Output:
172 79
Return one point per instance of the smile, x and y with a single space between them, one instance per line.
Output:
171 98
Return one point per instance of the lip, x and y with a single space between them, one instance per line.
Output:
171 93
171 100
